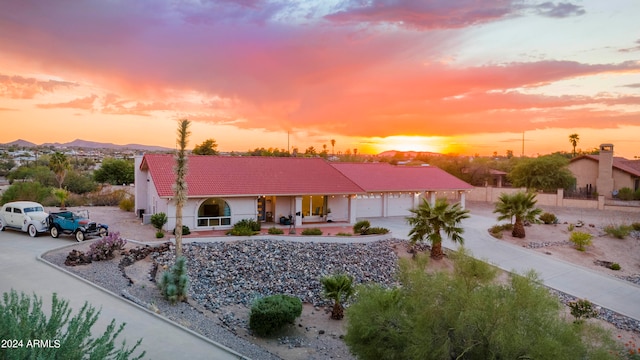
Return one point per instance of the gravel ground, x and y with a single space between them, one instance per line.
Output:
227 274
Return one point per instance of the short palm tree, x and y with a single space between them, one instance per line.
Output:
429 221
520 206
338 288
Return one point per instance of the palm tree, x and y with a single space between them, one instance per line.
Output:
574 139
333 144
181 183
520 205
428 222
338 288
59 164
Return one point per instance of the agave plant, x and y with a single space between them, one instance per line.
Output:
339 288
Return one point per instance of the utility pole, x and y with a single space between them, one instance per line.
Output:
522 144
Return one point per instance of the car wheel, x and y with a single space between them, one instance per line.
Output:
79 236
31 229
54 232
103 232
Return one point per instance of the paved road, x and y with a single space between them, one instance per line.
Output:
607 291
20 270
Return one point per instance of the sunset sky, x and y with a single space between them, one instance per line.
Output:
463 76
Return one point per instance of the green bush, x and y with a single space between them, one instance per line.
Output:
158 220
245 227
361 227
252 224
174 282
311 231
548 218
636 226
23 319
580 239
377 230
269 314
127 204
582 309
625 194
32 191
275 231
615 266
159 234
107 197
496 230
618 231
185 230
636 195
344 234
571 227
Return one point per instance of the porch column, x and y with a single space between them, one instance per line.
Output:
385 204
462 198
432 200
353 202
297 210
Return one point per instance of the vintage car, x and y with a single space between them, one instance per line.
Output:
27 216
76 223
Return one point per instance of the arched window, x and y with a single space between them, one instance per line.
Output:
214 212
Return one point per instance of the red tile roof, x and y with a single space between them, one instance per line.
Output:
629 166
384 177
229 176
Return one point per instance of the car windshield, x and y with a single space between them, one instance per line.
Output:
33 209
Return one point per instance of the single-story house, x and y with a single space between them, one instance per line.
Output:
605 173
223 190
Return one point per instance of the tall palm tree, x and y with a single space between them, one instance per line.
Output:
429 221
338 288
180 187
333 144
520 206
59 164
574 139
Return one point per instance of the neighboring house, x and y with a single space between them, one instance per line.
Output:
604 173
224 190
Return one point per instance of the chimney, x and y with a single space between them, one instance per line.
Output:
604 183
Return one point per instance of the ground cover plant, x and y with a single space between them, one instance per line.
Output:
618 231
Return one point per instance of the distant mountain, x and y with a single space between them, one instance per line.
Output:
84 144
20 143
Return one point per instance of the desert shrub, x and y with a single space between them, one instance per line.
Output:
496 230
361 227
252 224
158 220
615 266
625 193
32 191
636 195
582 309
159 234
344 234
185 230
311 231
103 248
377 230
107 197
23 318
174 282
275 231
636 226
618 231
571 227
548 218
127 204
269 314
460 315
580 239
245 227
